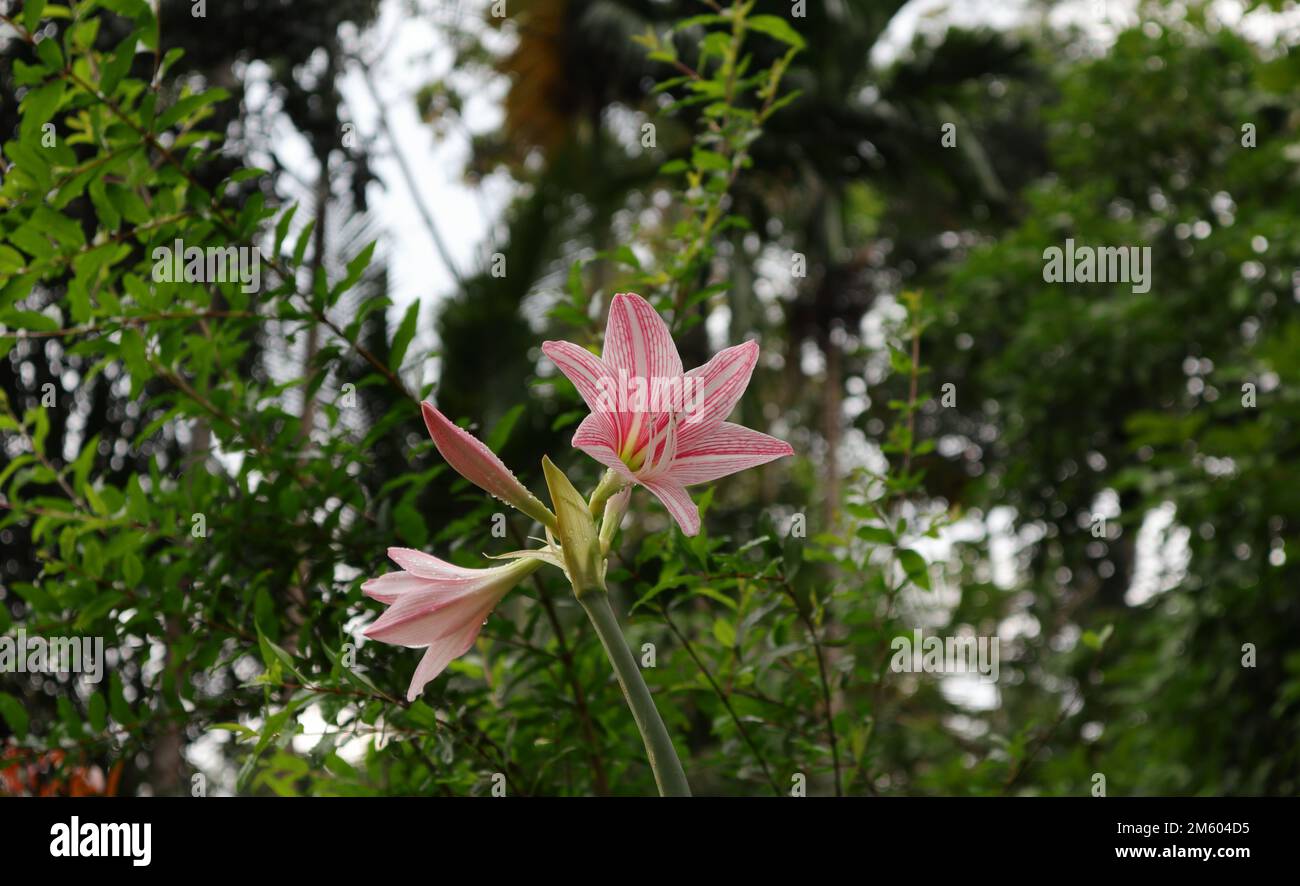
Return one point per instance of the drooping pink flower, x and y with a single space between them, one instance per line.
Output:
439 606
664 447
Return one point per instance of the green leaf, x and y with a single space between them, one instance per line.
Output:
356 268
31 162
128 203
410 525
875 535
402 338
118 64
577 293
565 419
696 21
1095 640
625 255
81 35
14 714
170 57
41 417
48 51
709 160
117 705
126 8
92 558
501 430
282 228
32 14
29 321
915 567
109 217
777 27
132 569
68 714
97 711
38 107
304 237
272 653
11 260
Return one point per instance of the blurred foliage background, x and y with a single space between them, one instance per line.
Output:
1104 480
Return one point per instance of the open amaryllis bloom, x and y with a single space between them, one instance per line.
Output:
654 424
439 606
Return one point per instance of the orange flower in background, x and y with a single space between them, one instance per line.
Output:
24 774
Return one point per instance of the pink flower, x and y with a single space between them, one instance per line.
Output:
438 606
664 447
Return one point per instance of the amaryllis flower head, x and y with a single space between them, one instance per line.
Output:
654 424
438 605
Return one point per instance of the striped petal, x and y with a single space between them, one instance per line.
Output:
421 615
718 385
413 621
638 341
479 465
429 566
588 373
440 654
426 577
388 588
593 438
678 502
727 448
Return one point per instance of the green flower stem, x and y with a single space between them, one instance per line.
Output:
609 483
658 745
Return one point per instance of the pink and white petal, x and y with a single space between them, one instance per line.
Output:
586 371
638 341
721 382
429 566
417 620
389 587
438 656
727 449
660 451
591 438
678 502
478 464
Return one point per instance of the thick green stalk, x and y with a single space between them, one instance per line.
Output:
658 745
